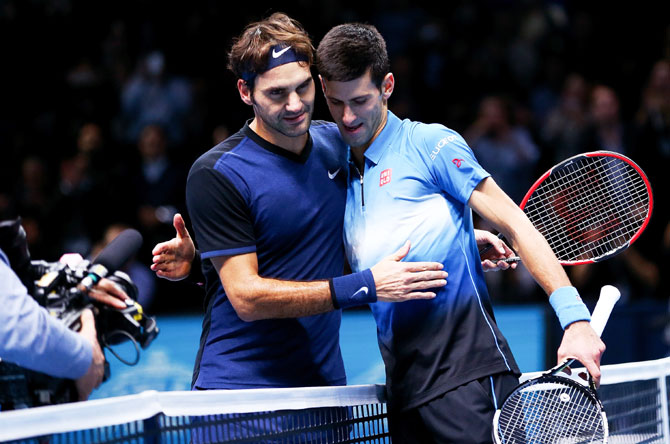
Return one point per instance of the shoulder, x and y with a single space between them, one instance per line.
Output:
325 131
328 143
322 125
217 154
431 137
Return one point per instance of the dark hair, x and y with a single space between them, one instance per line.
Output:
347 51
249 52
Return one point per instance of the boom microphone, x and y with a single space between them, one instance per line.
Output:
112 257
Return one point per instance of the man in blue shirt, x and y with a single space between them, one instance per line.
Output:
447 363
31 338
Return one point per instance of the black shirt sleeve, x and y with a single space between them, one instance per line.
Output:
219 213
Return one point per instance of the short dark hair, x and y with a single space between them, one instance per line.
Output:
250 51
348 51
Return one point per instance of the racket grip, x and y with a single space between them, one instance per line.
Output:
609 295
489 246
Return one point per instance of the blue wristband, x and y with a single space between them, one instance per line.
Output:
569 306
353 289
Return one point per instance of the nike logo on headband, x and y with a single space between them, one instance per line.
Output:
276 54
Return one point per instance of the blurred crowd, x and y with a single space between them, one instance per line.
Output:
105 105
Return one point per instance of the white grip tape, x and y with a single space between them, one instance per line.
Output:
609 295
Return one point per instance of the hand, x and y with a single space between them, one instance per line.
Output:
109 293
582 343
398 281
96 371
172 259
499 250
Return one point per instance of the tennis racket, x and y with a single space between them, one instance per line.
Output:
589 207
553 408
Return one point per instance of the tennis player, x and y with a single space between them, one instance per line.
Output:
447 363
267 206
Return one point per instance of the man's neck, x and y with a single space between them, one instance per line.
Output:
358 156
358 152
293 144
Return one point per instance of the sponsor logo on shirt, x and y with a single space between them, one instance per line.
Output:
385 177
457 162
440 144
331 176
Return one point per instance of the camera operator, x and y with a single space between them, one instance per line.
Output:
31 338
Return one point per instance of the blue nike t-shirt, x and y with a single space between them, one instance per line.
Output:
417 181
246 195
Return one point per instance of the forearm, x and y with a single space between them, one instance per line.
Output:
256 297
31 338
533 249
265 298
537 256
500 211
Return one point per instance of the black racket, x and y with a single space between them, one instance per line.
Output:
552 408
589 207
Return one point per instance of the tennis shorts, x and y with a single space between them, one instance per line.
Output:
462 415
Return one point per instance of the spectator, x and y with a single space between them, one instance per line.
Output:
606 129
566 123
154 96
32 200
158 185
651 253
83 193
507 151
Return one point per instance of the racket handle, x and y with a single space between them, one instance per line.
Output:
509 260
609 295
489 246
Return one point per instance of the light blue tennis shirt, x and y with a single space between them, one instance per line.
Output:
415 186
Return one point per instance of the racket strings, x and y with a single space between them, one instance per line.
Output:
599 202
550 413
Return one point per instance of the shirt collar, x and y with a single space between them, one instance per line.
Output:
300 158
383 140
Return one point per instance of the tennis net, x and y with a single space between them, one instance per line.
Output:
635 397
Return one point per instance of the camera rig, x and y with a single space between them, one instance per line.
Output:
62 289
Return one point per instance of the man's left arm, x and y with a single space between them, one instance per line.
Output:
579 339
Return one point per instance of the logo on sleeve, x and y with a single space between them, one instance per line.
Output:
457 162
440 144
385 177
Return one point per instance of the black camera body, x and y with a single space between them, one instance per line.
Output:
57 286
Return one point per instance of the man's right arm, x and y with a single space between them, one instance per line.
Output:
255 297
31 338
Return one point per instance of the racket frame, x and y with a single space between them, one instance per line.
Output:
553 375
566 163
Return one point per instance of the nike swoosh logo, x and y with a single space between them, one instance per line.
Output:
360 290
276 54
331 176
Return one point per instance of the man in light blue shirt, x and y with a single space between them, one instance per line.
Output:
447 364
31 338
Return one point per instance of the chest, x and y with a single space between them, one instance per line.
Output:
290 202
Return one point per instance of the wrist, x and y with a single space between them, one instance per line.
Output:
568 306
353 289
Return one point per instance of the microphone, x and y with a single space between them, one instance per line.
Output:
112 257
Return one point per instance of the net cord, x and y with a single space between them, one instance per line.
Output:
124 409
